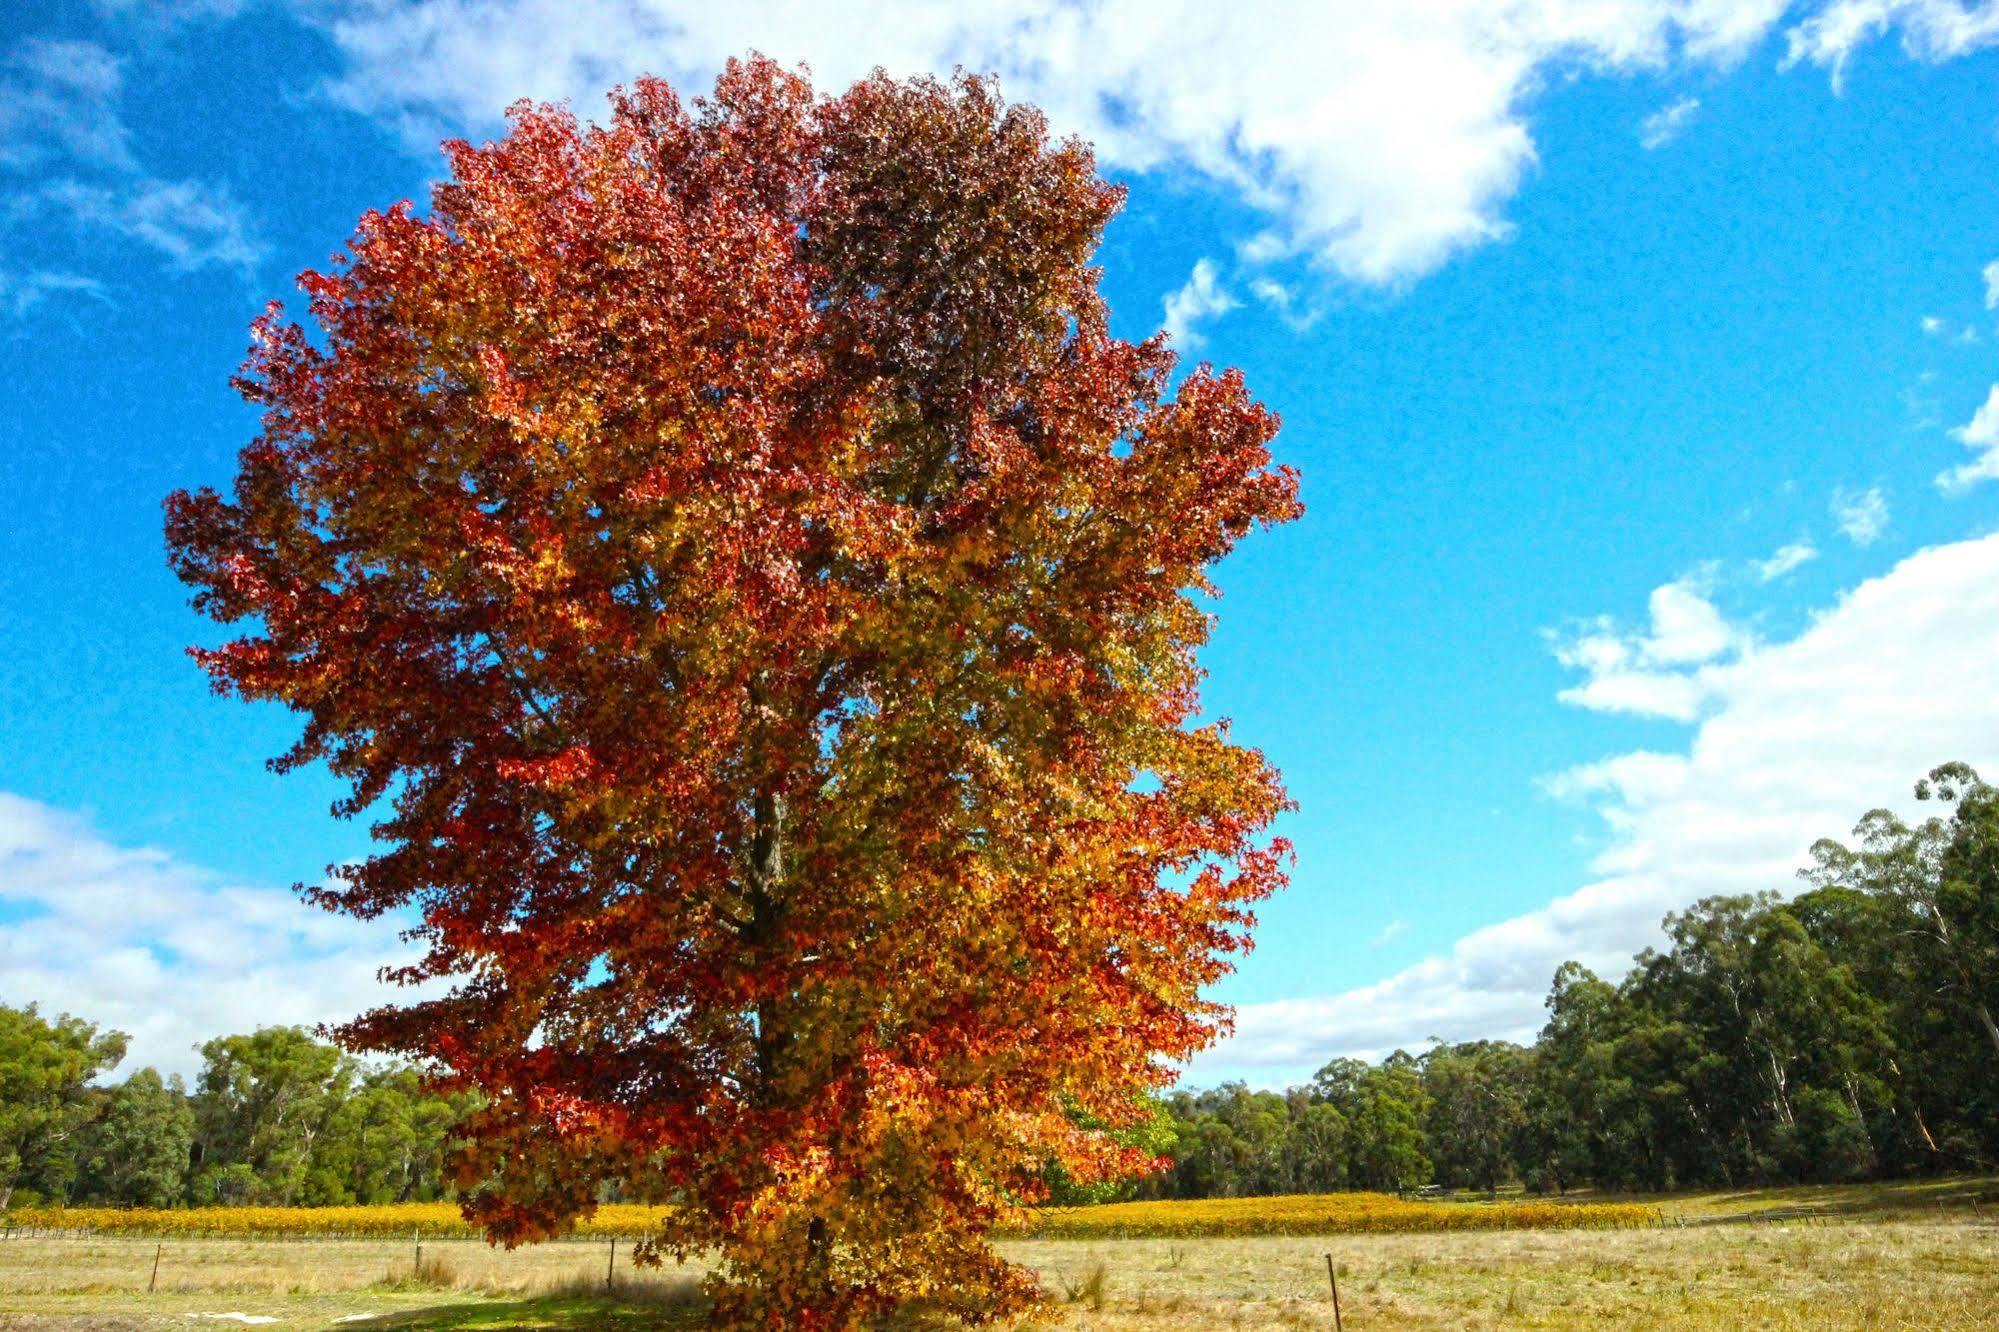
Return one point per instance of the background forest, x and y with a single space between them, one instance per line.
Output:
1841 1034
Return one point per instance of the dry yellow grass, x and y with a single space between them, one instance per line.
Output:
1930 1276
102 1281
1939 1273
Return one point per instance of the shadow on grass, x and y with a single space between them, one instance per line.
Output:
1975 1196
1895 1198
673 1302
549 1311
665 1305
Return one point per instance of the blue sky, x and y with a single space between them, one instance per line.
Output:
1638 358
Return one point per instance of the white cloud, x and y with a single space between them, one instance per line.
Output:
1786 560
193 225
1981 435
166 13
1284 302
1380 139
1390 932
1920 401
1640 693
1802 738
1861 514
138 940
1203 297
22 292
1936 326
58 101
1662 672
1686 628
1263 248
1668 123
65 144
1272 293
1932 30
1991 275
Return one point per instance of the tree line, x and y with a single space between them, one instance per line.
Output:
275 1118
1846 1033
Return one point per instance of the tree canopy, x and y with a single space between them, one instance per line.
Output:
45 1071
277 1118
756 597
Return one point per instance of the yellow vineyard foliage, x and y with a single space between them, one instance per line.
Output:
1297 1214
440 1219
1324 1214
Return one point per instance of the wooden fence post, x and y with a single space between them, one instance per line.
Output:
1333 1277
155 1279
611 1262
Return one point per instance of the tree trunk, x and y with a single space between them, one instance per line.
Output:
1923 1128
1944 937
1860 1118
1782 1099
765 874
1991 1029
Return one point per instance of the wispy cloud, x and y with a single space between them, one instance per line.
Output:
1202 298
1668 123
1981 435
192 225
1390 932
59 103
66 158
1861 514
1284 302
166 13
1936 326
1931 31
20 293
1786 560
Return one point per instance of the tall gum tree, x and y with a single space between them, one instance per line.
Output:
727 554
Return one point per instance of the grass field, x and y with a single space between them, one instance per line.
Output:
1905 1256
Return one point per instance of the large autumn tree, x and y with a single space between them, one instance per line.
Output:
758 599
